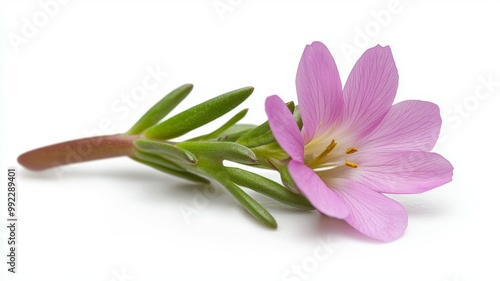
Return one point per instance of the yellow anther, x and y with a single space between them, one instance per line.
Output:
351 150
331 146
350 164
327 150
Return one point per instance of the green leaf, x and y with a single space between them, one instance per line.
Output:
252 138
248 203
161 109
269 188
252 206
221 151
262 134
181 174
178 153
198 115
259 130
297 117
261 140
224 127
235 132
155 159
286 178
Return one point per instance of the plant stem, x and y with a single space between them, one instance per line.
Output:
79 150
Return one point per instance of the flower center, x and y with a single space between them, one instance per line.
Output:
320 163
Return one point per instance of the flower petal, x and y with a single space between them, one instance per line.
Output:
372 213
403 172
323 198
370 90
284 128
409 125
319 90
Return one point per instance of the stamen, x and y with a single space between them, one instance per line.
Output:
325 152
350 164
351 150
328 149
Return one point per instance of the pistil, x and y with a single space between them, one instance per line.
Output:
325 152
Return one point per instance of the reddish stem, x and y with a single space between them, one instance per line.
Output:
79 150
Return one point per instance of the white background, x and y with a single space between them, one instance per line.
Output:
117 220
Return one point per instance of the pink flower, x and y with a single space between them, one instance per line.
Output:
355 145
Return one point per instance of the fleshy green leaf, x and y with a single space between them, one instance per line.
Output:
198 115
297 117
262 134
286 178
256 132
161 109
221 151
224 127
181 174
250 205
155 159
263 139
178 153
268 187
235 132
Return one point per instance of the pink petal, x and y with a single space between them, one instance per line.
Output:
409 125
323 198
319 90
370 90
284 128
403 172
372 213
